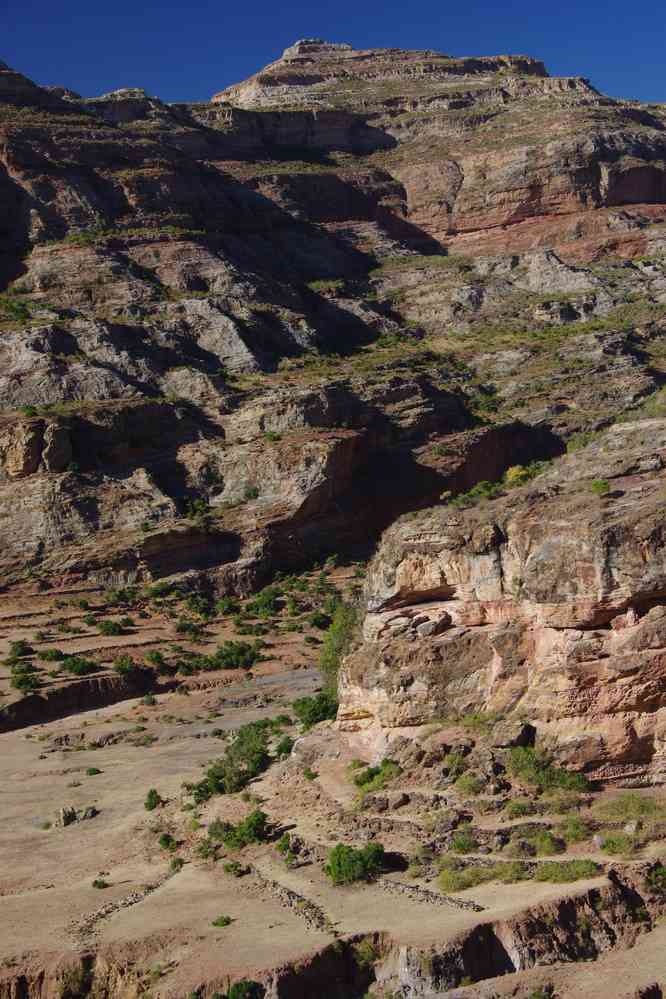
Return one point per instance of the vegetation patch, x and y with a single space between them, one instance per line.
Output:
346 864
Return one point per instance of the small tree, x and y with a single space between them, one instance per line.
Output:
153 799
347 864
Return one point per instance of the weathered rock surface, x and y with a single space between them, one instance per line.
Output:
547 603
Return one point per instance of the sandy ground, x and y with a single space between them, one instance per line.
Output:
47 872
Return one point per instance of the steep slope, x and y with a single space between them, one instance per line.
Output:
170 268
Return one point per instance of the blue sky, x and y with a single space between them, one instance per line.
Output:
181 51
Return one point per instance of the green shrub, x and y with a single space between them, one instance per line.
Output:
19 649
252 829
311 710
600 487
310 774
234 868
580 440
26 683
454 876
469 784
153 799
546 844
630 805
227 605
167 842
246 989
192 628
79 665
519 807
110 628
376 778
236 654
124 665
222 921
244 759
284 746
574 830
455 763
479 721
561 801
51 655
568 870
656 879
346 864
463 839
93 771
618 844
100 883
535 767
337 642
283 845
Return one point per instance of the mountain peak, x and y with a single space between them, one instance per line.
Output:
311 71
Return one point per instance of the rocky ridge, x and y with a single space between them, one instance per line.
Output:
374 302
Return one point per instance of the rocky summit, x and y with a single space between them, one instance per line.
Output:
333 562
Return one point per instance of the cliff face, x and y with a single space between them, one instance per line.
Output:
547 602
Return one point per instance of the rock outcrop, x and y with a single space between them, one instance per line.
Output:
547 602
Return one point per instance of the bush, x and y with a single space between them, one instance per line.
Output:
246 990
574 830
618 844
222 921
284 746
469 784
600 487
568 870
656 879
227 605
535 767
519 807
455 763
153 799
546 844
311 710
337 642
252 829
79 666
51 655
236 654
233 868
630 805
167 842
124 665
455 875
110 628
463 839
245 758
561 801
347 864
26 683
192 628
93 771
376 778
19 649
100 883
